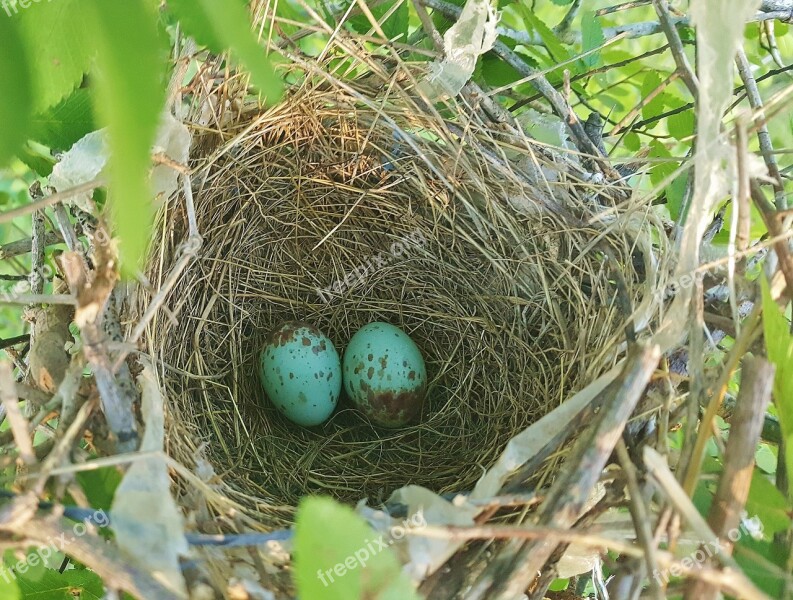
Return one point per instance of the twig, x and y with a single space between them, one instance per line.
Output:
757 380
772 48
620 7
690 105
24 246
17 422
92 551
676 46
731 580
640 516
429 28
521 561
744 217
9 342
50 200
63 446
756 102
696 373
188 253
559 105
65 225
38 299
92 298
630 30
563 28
37 254
781 248
742 344
658 468
628 118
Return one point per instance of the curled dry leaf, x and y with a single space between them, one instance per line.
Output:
48 355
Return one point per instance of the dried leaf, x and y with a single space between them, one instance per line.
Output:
146 520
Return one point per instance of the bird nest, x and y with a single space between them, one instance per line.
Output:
347 204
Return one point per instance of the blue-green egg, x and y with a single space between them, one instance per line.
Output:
301 373
384 375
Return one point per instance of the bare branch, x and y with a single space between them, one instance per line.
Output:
509 577
756 102
676 46
50 200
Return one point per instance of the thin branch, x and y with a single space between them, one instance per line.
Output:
630 30
7 298
50 200
676 46
756 102
18 423
520 562
690 105
26 245
65 225
92 551
37 254
658 469
559 105
429 28
620 7
751 331
562 30
92 297
781 248
640 516
13 341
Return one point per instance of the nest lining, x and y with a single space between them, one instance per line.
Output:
504 307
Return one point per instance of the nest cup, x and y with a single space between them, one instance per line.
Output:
324 210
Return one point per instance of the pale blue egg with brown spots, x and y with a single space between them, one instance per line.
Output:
384 374
300 371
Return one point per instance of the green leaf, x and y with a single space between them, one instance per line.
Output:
60 126
779 346
649 85
557 51
768 504
664 165
16 97
61 50
9 590
129 98
675 192
395 25
591 37
632 141
99 486
765 579
49 584
224 24
37 158
339 557
681 125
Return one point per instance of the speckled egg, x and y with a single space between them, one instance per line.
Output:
384 374
301 373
